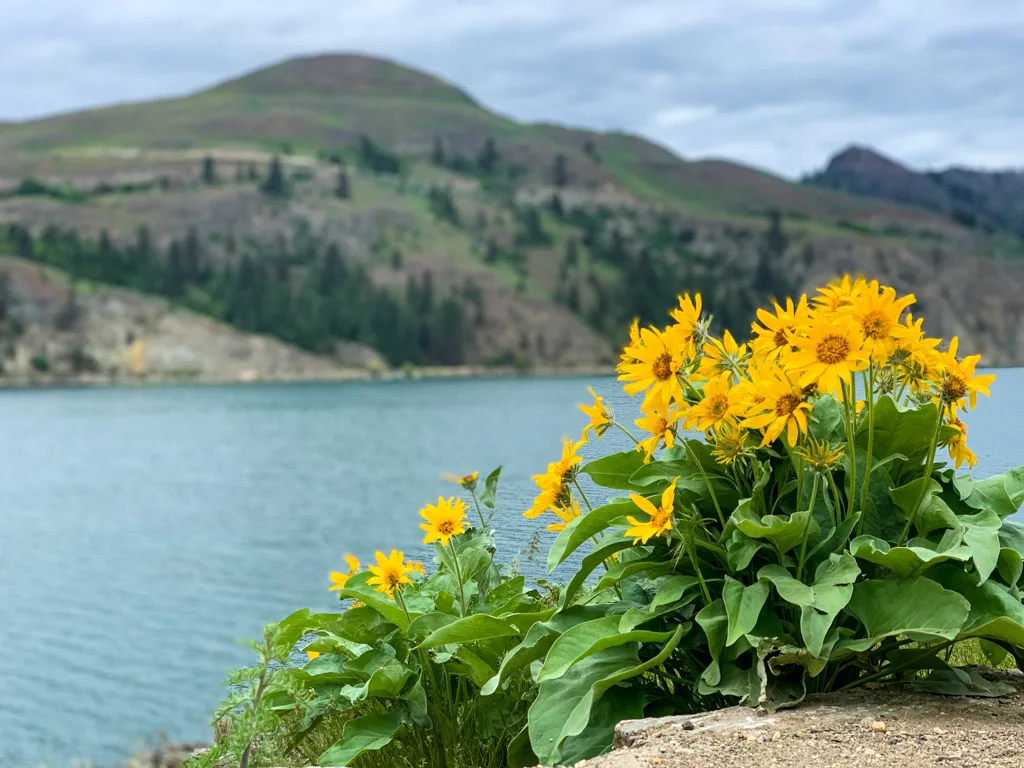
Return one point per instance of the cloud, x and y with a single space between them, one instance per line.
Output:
778 85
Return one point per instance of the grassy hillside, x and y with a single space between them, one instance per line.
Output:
548 239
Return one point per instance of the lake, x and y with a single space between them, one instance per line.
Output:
144 532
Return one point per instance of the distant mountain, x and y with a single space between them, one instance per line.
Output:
339 200
988 200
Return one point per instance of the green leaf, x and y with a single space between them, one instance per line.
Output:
583 528
490 491
672 589
357 589
743 606
908 431
608 547
785 533
827 420
912 559
916 606
364 734
1011 552
1002 494
820 603
995 614
520 752
740 550
953 681
477 670
588 638
933 514
614 471
423 626
714 620
654 566
470 629
981 535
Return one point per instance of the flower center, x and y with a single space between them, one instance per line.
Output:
786 404
445 527
953 387
661 519
781 337
662 367
876 325
833 349
718 405
393 579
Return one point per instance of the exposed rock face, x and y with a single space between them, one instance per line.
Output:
120 335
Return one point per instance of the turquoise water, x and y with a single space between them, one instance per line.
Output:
143 532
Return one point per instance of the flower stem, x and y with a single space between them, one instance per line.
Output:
711 490
807 527
628 433
912 514
582 494
870 384
850 395
458 575
835 499
476 501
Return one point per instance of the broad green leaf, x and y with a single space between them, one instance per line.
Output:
740 550
588 638
995 614
714 620
539 638
470 629
357 589
881 516
608 547
981 535
784 532
658 474
490 491
520 751
743 606
933 513
1002 494
908 431
916 606
819 603
614 471
478 670
1011 552
582 528
654 566
615 705
672 589
827 420
913 559
953 681
364 734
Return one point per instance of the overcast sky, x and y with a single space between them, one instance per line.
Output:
779 84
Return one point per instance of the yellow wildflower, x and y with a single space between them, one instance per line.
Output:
634 341
728 444
445 520
417 567
721 403
339 580
783 409
958 450
466 481
820 456
659 359
567 512
660 422
877 311
773 336
390 573
687 329
958 383
660 517
600 416
830 352
723 356
839 294
554 483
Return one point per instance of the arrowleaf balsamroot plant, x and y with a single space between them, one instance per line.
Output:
783 526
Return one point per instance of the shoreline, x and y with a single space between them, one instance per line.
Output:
462 372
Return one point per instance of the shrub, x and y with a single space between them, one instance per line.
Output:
782 527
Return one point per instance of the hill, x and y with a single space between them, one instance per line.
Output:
988 200
343 199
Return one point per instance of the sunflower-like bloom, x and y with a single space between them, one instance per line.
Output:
389 573
600 416
415 567
839 294
729 444
627 356
567 512
820 456
773 335
957 382
660 422
554 484
877 311
659 358
466 481
915 358
721 404
688 329
783 409
725 356
445 520
830 352
338 579
958 450
660 517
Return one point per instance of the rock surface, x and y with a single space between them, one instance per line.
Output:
888 726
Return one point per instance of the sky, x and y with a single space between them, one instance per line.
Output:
777 84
